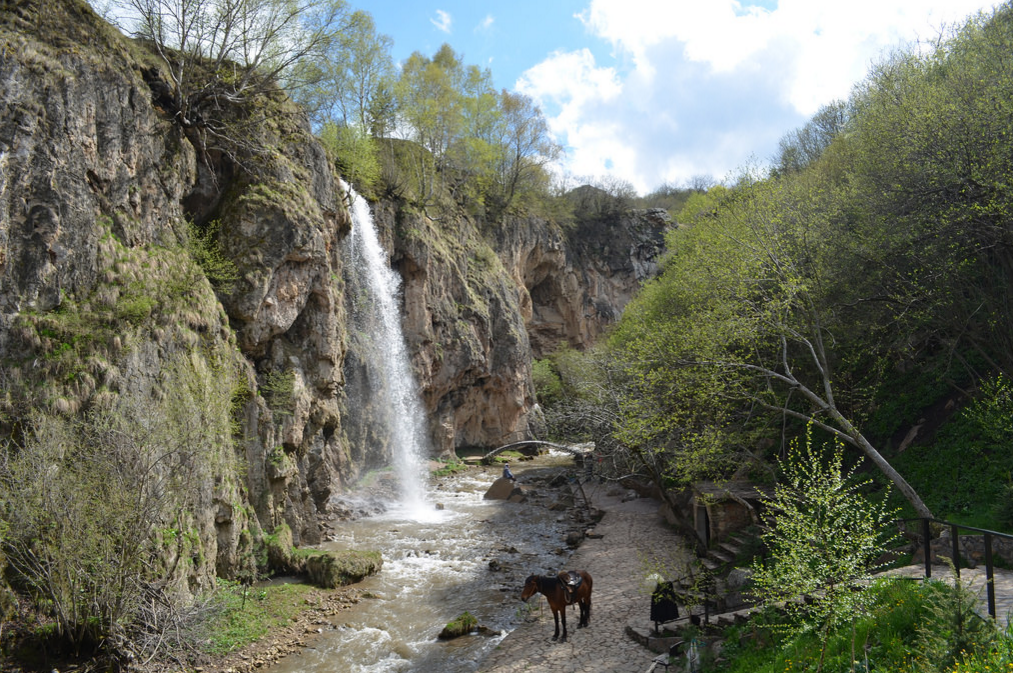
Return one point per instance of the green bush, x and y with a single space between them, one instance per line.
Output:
355 154
204 248
548 384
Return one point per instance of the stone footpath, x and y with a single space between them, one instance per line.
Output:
1003 582
634 543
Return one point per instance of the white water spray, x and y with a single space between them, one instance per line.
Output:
377 311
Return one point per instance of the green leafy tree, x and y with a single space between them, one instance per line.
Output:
823 540
802 147
349 81
756 302
527 148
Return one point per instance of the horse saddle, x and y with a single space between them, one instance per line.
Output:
571 581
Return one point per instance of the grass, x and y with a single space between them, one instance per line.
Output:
891 638
961 476
885 637
246 619
449 468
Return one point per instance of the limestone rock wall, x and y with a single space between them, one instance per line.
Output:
464 327
98 289
575 282
481 299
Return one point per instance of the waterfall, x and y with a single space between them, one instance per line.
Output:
377 319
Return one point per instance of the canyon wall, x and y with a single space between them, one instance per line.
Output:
108 214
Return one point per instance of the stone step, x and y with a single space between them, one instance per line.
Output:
709 563
730 548
721 555
731 618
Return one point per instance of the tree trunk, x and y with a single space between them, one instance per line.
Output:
879 461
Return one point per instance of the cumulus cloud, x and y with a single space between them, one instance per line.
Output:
701 87
442 21
486 23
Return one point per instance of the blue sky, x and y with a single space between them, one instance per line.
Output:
655 91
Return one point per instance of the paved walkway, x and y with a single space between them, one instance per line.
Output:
634 543
1003 582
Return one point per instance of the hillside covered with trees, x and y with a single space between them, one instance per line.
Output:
861 283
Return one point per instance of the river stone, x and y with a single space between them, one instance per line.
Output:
501 489
337 568
462 626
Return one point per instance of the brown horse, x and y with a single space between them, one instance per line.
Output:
559 596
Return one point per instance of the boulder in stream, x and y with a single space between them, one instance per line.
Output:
462 626
504 489
337 568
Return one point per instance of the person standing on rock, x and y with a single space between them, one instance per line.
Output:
507 474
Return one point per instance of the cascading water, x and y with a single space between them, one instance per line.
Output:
376 314
437 562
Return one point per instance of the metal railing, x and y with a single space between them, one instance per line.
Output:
955 528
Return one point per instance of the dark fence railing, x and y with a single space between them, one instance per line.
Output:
955 528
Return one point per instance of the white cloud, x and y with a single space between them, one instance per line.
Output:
442 21
702 86
486 23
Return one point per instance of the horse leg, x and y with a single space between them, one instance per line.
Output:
555 617
563 611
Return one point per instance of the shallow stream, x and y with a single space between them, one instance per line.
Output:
472 555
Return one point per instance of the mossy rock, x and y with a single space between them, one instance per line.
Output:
281 557
462 626
338 568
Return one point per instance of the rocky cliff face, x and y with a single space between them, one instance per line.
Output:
574 283
479 305
101 199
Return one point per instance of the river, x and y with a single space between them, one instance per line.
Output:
472 555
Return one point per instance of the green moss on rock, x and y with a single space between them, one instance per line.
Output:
462 626
338 568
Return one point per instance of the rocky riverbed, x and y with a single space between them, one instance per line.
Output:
489 547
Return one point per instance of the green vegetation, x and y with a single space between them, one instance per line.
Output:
449 468
907 627
246 615
278 389
859 286
101 510
204 248
824 538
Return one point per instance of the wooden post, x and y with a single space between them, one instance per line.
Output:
927 546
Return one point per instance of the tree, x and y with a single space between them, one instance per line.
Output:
350 78
604 403
755 292
221 53
528 148
802 147
823 540
931 152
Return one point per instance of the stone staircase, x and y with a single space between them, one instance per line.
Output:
707 612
